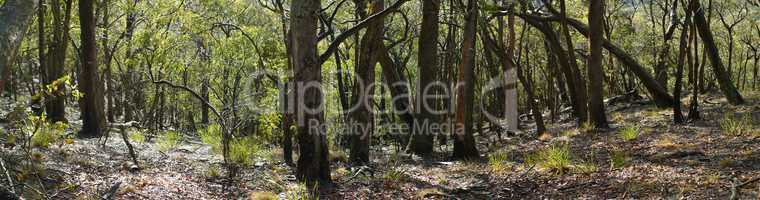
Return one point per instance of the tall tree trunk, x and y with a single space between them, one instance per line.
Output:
464 141
683 49
694 67
422 142
313 165
55 106
581 110
511 114
14 20
724 79
91 105
595 71
371 46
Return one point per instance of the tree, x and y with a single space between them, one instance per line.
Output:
595 72
92 103
724 78
581 97
312 162
422 142
464 141
371 46
683 49
14 19
56 58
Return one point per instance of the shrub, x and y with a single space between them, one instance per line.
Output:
212 136
170 140
618 159
554 157
48 133
587 127
241 150
629 133
136 136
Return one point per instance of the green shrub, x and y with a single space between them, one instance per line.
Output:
48 133
241 150
629 133
212 136
136 136
554 157
737 126
618 159
212 172
169 141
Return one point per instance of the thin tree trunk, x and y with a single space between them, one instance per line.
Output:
683 49
464 141
580 84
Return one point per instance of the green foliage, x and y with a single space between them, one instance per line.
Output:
136 136
629 133
243 149
169 140
554 157
212 136
266 195
618 159
587 127
738 126
301 192
394 175
42 132
497 161
212 172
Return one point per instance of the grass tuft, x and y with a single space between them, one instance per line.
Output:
554 157
497 161
169 141
618 159
265 195
732 126
629 133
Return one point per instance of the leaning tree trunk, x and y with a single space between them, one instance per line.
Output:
581 109
92 104
14 19
724 79
683 49
464 141
313 165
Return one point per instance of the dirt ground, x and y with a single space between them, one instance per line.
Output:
696 160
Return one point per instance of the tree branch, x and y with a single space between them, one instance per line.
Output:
355 29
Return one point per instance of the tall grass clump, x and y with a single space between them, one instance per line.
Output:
733 126
554 157
629 133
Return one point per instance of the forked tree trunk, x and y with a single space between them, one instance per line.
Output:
371 46
724 79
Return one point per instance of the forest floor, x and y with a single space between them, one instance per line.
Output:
697 160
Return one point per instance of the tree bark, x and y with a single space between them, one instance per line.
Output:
91 105
683 49
595 71
422 142
724 79
313 165
14 20
464 141
371 46
581 96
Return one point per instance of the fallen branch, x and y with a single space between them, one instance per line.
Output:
735 188
111 192
8 176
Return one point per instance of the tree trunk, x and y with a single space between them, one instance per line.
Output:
422 142
371 47
659 94
313 165
55 106
580 84
91 105
14 19
683 49
595 71
464 141
724 79
511 114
